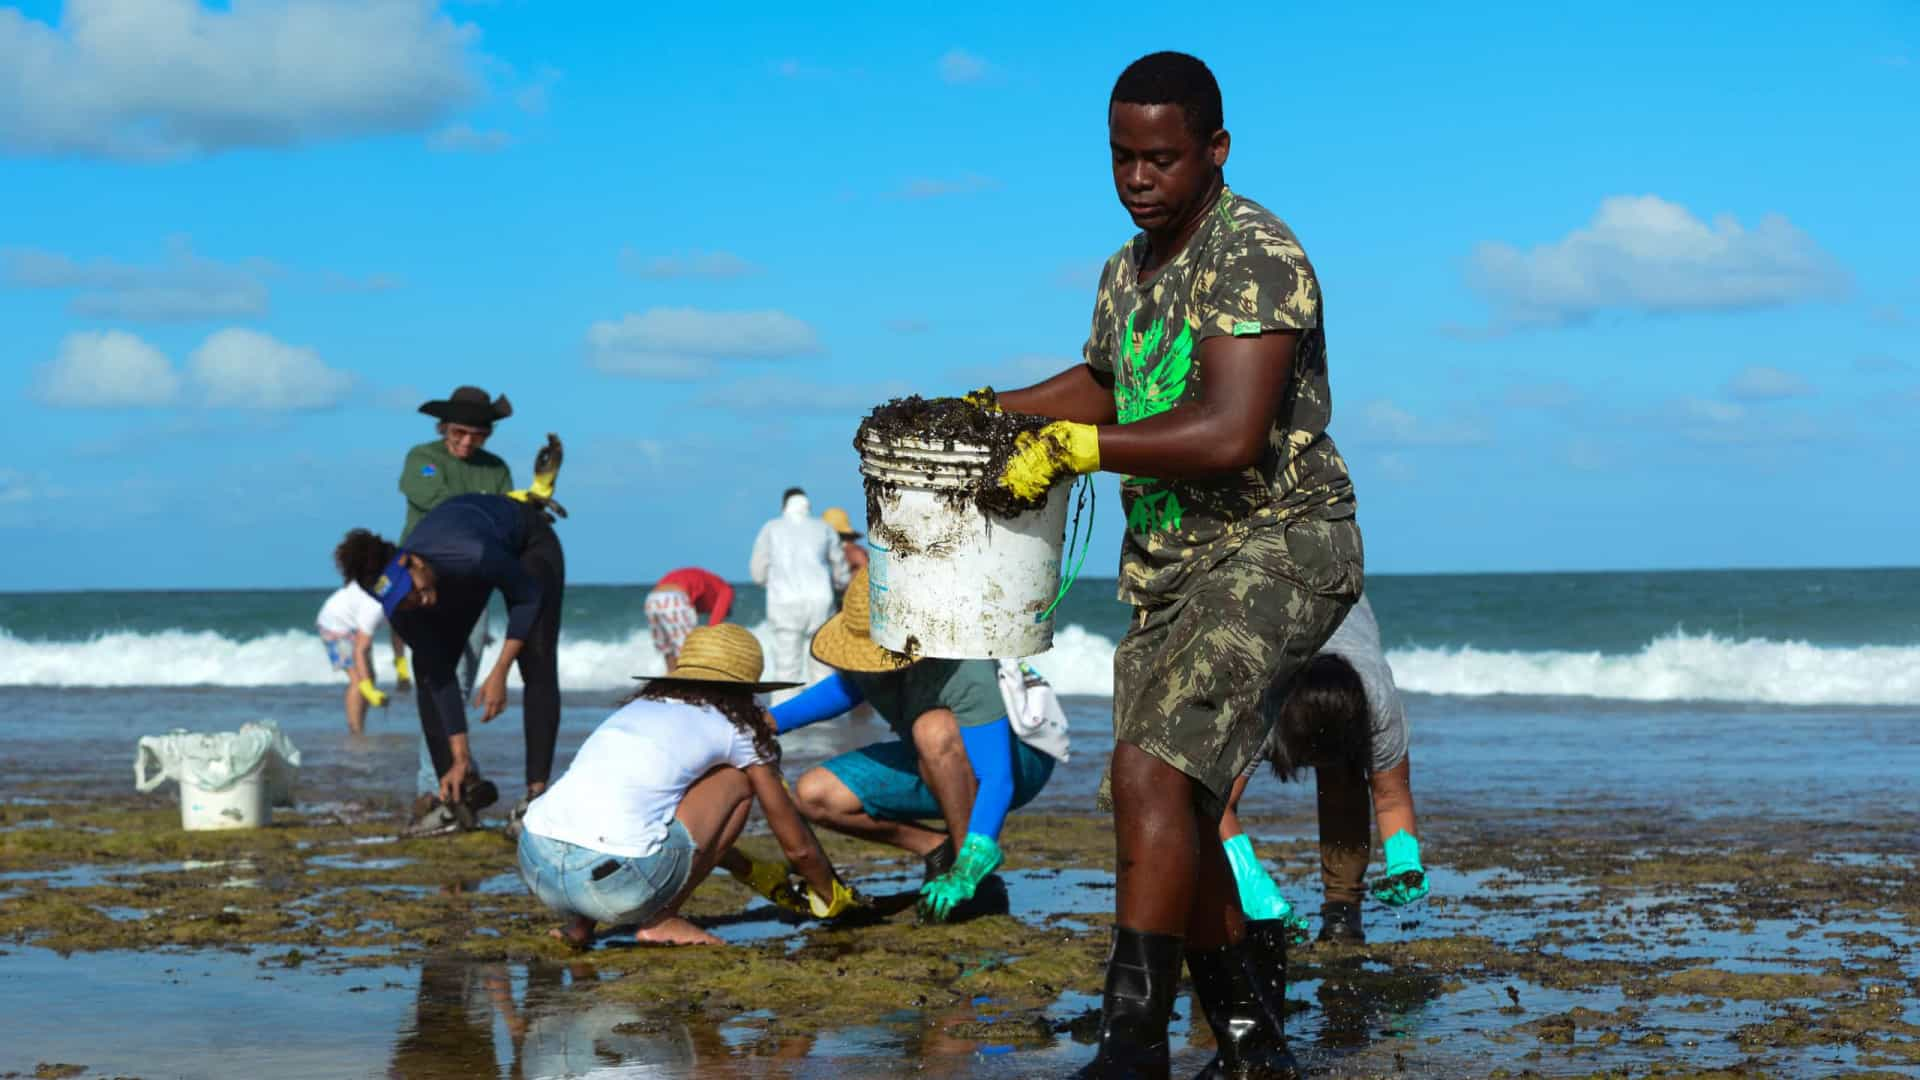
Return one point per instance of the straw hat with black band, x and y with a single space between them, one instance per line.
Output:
726 655
469 406
837 520
844 642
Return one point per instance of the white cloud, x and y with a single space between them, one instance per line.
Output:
245 369
930 188
461 139
960 66
184 287
536 96
1386 424
1709 422
107 369
1643 253
1760 382
156 79
774 393
684 343
695 264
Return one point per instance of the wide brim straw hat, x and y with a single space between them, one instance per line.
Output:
470 406
844 642
725 655
837 520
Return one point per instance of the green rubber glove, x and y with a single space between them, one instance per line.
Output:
1406 879
1260 898
979 856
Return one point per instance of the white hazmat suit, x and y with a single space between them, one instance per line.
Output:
798 558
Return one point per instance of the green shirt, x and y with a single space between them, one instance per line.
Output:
1241 274
971 688
432 475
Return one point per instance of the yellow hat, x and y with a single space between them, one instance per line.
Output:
838 521
844 642
727 654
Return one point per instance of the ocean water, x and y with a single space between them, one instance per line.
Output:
1787 637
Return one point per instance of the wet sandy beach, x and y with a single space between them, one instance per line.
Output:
1613 896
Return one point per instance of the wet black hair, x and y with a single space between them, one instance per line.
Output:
1173 78
737 706
790 493
362 556
1324 719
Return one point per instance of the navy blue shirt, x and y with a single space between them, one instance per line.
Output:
474 544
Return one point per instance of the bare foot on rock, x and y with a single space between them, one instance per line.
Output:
674 930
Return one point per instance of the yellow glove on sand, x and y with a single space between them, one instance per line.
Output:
374 695
1042 457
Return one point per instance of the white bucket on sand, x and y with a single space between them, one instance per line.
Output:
946 578
228 779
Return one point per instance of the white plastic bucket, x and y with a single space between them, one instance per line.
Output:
945 578
241 805
228 779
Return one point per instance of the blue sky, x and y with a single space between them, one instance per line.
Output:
1634 291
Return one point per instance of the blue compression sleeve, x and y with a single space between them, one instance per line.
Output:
832 696
990 750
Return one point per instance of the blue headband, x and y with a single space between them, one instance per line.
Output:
394 584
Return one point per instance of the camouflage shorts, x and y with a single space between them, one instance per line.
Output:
1189 676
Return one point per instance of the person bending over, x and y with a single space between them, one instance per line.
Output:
676 603
955 758
659 793
433 590
1343 718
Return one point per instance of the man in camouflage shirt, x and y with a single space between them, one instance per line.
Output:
1205 386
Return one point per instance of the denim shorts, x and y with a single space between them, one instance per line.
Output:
618 890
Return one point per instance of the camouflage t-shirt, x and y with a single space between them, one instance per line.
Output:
1242 273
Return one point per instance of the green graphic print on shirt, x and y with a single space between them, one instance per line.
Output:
1242 273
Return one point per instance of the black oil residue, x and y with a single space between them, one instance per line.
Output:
949 422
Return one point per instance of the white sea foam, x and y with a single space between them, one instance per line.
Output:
1676 667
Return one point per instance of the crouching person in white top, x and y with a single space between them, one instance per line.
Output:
660 792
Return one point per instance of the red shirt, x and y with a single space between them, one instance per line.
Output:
710 593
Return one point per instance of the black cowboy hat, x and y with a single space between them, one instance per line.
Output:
469 405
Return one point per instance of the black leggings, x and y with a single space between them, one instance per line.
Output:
539 661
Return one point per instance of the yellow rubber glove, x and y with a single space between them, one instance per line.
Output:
402 670
1042 457
546 471
983 398
773 881
843 900
374 695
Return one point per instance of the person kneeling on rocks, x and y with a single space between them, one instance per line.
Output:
1343 718
658 794
956 758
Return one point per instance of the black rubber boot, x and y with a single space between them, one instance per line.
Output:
938 861
1340 923
1243 990
1143 971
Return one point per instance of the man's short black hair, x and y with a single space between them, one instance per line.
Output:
1173 78
790 493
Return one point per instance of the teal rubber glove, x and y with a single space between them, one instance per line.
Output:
1406 879
979 856
1260 898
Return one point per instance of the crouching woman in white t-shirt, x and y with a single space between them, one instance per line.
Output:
659 792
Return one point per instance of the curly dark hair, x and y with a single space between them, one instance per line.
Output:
362 556
737 706
1324 720
1173 78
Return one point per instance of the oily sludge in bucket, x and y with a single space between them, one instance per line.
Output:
228 779
949 578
